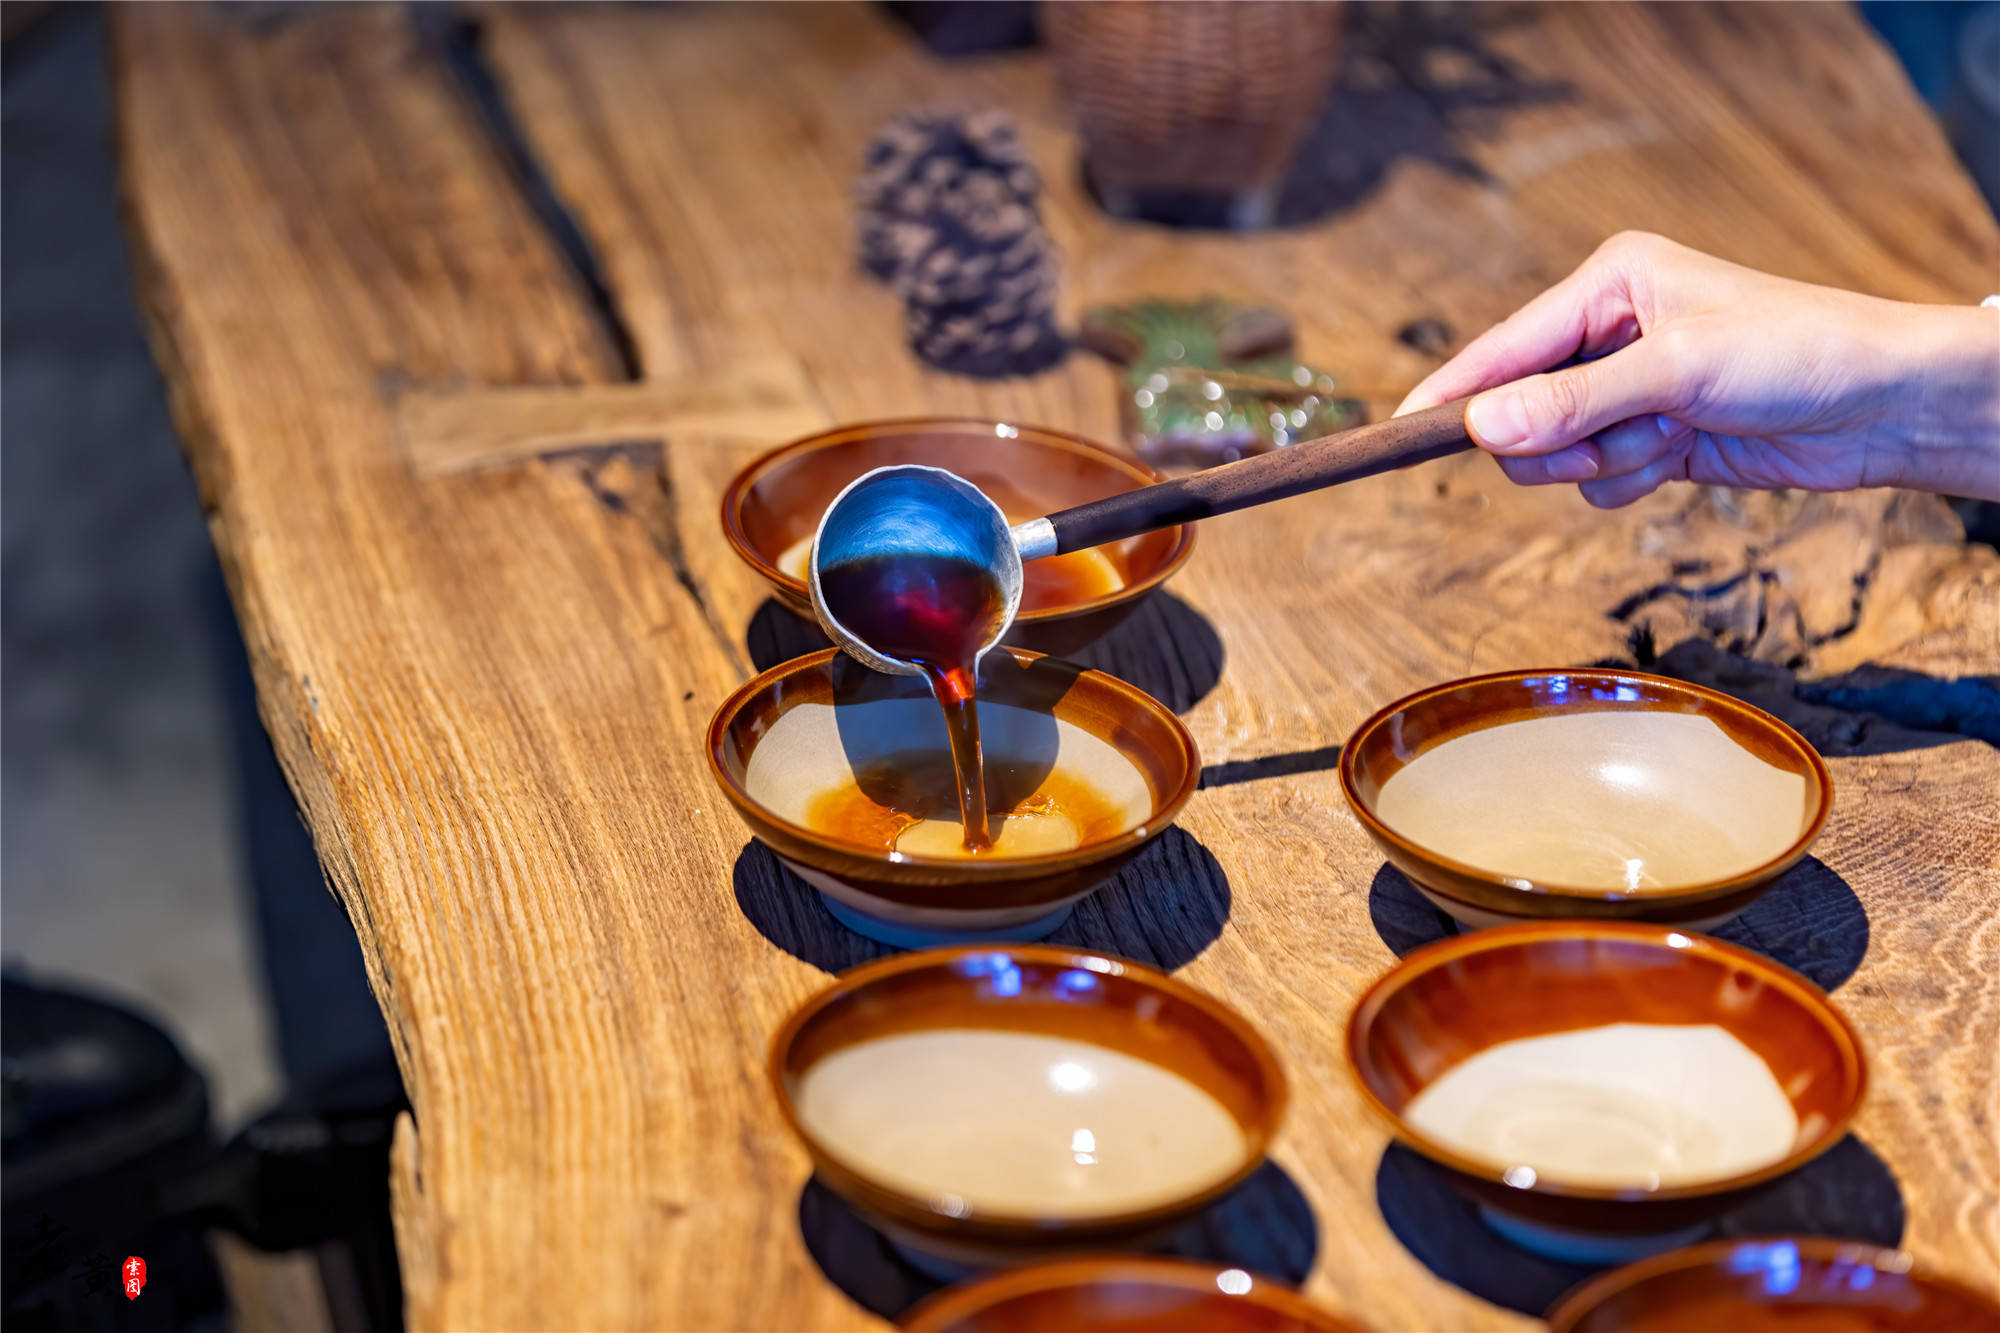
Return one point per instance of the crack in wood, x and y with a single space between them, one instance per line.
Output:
1630 606
455 42
662 525
1864 578
1754 632
1750 591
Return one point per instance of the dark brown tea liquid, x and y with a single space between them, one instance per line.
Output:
893 795
933 613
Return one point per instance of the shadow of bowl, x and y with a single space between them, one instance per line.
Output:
1848 1192
1262 1226
1163 908
1811 920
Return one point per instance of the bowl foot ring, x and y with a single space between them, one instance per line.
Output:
933 1266
1588 1247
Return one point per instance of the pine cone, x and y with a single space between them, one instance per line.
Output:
918 159
980 307
948 217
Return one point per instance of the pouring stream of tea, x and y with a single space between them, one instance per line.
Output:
935 613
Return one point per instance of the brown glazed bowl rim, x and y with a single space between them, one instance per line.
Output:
1579 1301
1749 714
912 1209
938 1312
1165 811
1430 957
1140 471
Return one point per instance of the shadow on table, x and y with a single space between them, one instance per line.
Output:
1811 921
1165 647
1264 1225
1166 906
1848 1192
1271 766
1421 82
777 634
1416 82
1869 710
789 913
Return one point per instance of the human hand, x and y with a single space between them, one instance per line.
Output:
1692 368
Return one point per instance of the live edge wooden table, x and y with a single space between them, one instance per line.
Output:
465 489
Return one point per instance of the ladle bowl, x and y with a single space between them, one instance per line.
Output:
912 510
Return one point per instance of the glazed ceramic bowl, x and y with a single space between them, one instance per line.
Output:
824 721
1776 1285
1126 1294
1629 771
1454 999
1091 1003
775 503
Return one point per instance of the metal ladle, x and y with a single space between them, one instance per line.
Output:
910 509
928 511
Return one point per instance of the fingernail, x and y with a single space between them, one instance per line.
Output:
1572 465
1498 420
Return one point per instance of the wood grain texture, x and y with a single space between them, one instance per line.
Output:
488 685
447 431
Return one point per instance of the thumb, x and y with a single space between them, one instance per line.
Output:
1543 413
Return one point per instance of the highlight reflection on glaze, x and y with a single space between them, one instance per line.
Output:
1780 1286
1625 799
1633 1104
1017 1123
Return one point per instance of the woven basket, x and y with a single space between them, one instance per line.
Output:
1201 96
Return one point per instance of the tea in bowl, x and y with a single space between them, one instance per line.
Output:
1775 1285
1603 1090
991 1106
1122 1294
1527 795
846 774
771 508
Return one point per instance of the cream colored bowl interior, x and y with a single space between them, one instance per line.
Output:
1080 1130
1622 800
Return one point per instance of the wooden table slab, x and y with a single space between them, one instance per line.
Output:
465 494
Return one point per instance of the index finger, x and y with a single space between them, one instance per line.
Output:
1590 310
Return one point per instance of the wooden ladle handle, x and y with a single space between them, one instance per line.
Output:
1308 466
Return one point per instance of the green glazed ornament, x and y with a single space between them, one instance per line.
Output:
1210 381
